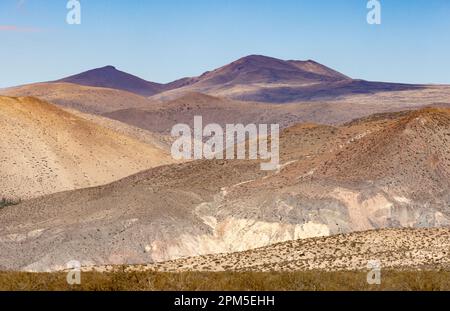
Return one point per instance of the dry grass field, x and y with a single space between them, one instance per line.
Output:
228 281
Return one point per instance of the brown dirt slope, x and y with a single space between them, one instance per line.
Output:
45 149
400 249
89 99
161 116
413 152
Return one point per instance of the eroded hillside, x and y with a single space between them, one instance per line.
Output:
396 175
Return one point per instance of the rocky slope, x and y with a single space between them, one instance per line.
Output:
398 249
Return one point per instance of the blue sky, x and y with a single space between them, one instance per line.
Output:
165 40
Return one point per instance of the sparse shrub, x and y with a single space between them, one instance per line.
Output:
8 202
436 280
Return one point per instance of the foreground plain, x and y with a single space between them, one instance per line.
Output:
228 281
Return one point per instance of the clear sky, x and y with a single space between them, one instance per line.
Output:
169 39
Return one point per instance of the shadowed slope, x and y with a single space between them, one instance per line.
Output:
110 77
266 79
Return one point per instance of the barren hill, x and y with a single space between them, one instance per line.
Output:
260 78
110 77
164 142
410 155
206 207
393 249
44 149
89 99
380 173
161 117
263 69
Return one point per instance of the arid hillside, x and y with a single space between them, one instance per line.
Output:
399 249
160 117
44 149
388 171
411 155
152 138
207 207
96 100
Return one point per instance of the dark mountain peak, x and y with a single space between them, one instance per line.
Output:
258 61
251 69
97 71
110 77
108 67
264 69
257 58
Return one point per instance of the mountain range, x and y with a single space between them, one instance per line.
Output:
251 78
257 88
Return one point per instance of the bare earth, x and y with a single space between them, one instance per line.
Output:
161 117
399 249
44 149
386 171
88 99
90 161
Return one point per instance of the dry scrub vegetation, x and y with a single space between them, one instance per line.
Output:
4 202
253 281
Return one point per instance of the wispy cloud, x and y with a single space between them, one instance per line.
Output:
14 28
